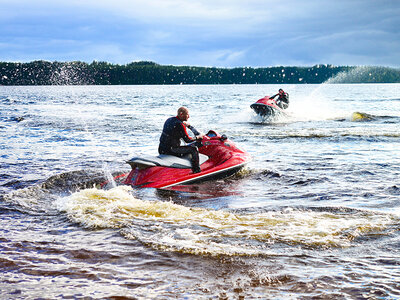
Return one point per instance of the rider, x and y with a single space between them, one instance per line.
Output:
174 130
283 99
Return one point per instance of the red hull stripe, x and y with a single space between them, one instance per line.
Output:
202 176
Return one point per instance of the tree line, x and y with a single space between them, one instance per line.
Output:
145 72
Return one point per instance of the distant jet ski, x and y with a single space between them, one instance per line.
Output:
267 107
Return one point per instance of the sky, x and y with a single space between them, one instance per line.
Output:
211 33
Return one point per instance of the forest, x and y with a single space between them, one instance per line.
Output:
42 72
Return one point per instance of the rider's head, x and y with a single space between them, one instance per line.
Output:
281 91
183 113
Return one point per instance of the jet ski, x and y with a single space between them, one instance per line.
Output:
266 107
219 157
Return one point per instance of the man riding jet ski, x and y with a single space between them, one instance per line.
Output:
283 99
268 107
174 130
207 156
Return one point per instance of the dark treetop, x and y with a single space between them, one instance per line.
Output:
144 72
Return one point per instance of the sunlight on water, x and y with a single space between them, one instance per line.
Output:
315 107
172 227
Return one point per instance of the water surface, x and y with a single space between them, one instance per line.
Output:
315 214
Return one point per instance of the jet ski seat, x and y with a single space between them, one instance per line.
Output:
164 160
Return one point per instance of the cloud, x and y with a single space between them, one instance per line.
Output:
203 32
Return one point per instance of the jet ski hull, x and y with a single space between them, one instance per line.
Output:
219 156
266 107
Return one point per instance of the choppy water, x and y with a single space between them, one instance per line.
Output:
316 214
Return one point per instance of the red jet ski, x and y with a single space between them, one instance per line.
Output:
219 157
266 107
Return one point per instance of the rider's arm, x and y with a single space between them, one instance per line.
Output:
184 135
194 130
197 133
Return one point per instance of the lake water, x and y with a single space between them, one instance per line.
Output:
315 214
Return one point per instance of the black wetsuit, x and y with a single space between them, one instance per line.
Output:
170 141
282 101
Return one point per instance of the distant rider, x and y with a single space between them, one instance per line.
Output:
174 130
283 99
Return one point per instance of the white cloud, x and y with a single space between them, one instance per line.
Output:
203 32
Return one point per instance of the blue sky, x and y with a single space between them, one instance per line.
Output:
221 33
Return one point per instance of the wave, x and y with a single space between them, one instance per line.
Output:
322 134
319 115
361 116
373 100
38 198
166 226
13 119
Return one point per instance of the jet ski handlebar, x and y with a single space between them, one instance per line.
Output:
211 135
214 136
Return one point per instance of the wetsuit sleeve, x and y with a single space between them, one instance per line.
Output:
272 97
184 135
194 130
